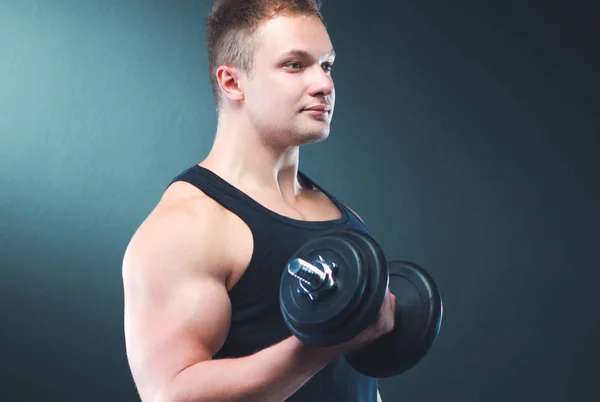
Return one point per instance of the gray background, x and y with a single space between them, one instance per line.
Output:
465 135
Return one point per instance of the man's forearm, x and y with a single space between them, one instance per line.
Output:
272 374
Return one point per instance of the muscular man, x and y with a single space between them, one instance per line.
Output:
201 274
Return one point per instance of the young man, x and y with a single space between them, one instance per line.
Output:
201 274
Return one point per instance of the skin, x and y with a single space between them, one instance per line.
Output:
190 251
267 131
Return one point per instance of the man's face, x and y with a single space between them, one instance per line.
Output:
291 73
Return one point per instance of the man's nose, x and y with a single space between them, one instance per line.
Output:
322 83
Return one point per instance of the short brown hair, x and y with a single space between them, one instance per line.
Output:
231 25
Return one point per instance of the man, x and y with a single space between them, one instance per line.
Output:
201 274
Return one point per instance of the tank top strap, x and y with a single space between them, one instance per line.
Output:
229 196
252 212
353 219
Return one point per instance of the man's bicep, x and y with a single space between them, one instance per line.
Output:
177 310
180 327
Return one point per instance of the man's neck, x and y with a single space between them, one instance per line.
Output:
240 156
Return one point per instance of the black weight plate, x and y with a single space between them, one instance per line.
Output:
308 318
419 311
376 284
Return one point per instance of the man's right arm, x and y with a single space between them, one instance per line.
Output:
177 315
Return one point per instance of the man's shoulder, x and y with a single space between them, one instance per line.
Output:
182 203
183 222
324 194
354 212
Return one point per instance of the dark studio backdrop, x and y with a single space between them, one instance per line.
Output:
465 134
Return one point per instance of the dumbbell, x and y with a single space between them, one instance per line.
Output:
333 288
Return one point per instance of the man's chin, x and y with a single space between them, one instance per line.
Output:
313 137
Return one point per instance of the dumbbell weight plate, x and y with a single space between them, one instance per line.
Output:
343 312
376 284
315 321
419 312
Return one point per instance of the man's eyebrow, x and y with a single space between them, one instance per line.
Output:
304 53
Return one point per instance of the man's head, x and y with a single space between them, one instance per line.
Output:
271 60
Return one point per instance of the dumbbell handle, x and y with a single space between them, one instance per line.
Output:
313 278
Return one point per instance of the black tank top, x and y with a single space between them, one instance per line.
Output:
256 321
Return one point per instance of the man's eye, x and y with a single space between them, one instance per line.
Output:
294 65
328 67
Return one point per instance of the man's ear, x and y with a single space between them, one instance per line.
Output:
228 79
